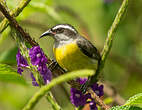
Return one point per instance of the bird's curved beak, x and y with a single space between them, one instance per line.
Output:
48 33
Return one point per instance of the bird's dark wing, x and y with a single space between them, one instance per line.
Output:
88 48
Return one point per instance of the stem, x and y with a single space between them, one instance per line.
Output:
110 36
14 13
15 24
106 50
109 39
27 37
49 96
63 78
54 104
17 27
98 100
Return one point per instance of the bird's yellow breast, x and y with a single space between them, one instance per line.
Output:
70 57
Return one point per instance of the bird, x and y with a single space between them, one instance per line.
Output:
71 50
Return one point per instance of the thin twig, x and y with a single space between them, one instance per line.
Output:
43 90
24 51
14 13
110 36
109 39
98 100
27 37
107 47
17 27
50 98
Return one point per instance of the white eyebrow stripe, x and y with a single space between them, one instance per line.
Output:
64 26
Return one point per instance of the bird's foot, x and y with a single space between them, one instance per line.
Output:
84 87
53 65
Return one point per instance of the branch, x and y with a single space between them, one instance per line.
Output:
14 13
17 27
44 89
54 104
109 39
98 100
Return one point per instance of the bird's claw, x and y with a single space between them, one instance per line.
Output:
84 87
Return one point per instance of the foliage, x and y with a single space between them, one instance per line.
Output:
125 108
135 100
133 103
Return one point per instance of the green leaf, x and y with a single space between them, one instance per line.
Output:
135 100
125 108
7 74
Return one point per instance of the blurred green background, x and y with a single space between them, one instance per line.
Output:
92 18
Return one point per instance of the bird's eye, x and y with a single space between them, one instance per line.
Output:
59 30
51 29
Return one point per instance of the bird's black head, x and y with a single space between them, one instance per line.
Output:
61 32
